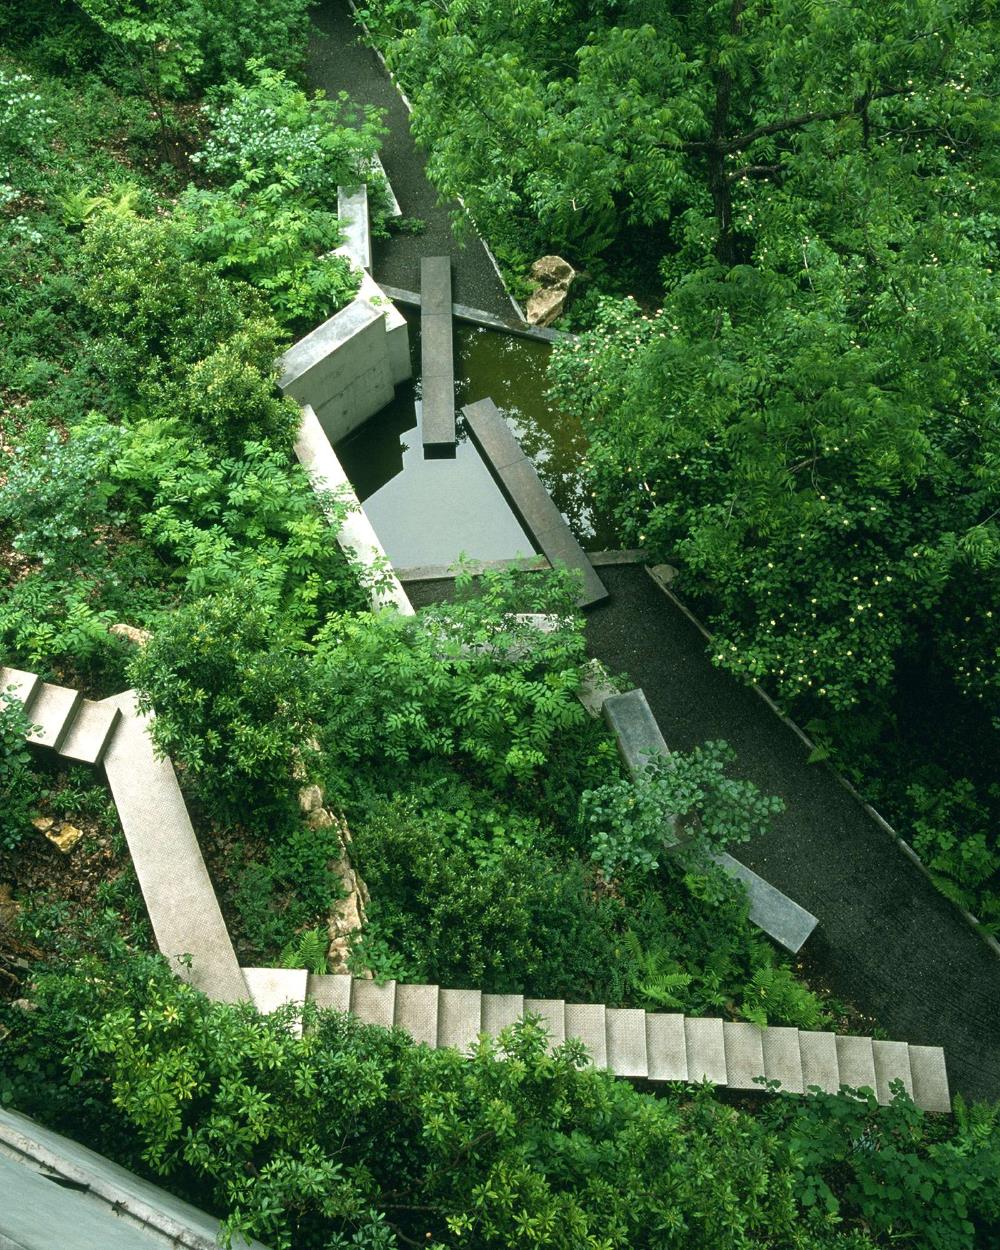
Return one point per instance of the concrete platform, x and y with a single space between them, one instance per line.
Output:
437 356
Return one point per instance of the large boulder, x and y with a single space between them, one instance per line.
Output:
553 276
553 271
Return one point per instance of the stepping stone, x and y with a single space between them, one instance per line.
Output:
856 1060
330 991
26 685
666 1049
631 720
744 1052
532 503
588 1022
352 209
373 1003
417 1012
499 1011
820 1065
271 988
52 710
930 1078
437 357
706 1050
90 732
780 917
553 1013
783 1057
626 1033
459 1018
892 1063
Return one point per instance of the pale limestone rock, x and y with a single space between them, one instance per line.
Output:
545 305
131 633
553 271
66 837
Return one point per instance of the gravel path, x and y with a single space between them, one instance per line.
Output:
887 940
337 61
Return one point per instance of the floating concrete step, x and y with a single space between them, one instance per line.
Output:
499 1011
856 1060
373 1003
352 210
553 1014
930 1078
271 988
52 710
25 685
666 1049
625 1029
639 740
417 1012
459 1018
329 991
437 360
517 478
780 917
783 1057
588 1022
744 1050
706 1050
820 1065
90 732
892 1063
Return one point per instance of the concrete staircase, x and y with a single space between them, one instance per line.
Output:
187 921
654 1046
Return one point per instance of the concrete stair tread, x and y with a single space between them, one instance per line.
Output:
856 1060
417 1012
666 1049
625 1028
820 1065
783 1057
52 710
459 1018
499 1011
88 737
26 685
271 988
372 1003
553 1014
744 1051
330 991
588 1022
892 1063
706 1050
930 1078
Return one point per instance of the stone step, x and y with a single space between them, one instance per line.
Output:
459 1018
930 1078
856 1060
892 1063
53 709
820 1065
706 1050
372 1003
25 685
666 1049
271 988
625 1028
588 1022
780 917
744 1051
90 732
783 1057
417 1012
330 991
499 1011
553 1014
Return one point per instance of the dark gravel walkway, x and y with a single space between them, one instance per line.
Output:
337 62
887 940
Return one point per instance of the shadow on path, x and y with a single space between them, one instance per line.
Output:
887 939
337 61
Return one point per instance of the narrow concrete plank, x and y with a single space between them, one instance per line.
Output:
595 687
53 710
459 1018
820 1065
779 916
666 1049
499 1011
744 1051
417 1012
553 1013
437 355
892 1063
352 209
631 720
588 1022
706 1050
533 504
856 1061
435 285
271 988
626 1034
373 1003
25 685
90 732
330 991
783 1057
930 1078
180 898
437 348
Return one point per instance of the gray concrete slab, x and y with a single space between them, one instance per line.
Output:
626 1034
52 711
553 1013
820 1065
330 991
635 729
437 355
21 685
88 736
783 1057
435 286
706 1050
459 1018
373 1003
779 916
271 988
930 1078
744 1051
666 1049
892 1063
588 1023
417 1012
499 1011
180 898
856 1061
526 494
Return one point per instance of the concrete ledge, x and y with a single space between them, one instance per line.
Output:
437 355
476 316
352 209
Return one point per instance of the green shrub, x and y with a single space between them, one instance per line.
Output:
18 788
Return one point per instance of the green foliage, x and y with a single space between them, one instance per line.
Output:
17 786
25 122
308 950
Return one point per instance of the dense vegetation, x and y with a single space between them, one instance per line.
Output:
800 405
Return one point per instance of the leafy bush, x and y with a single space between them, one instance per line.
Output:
17 787
25 123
